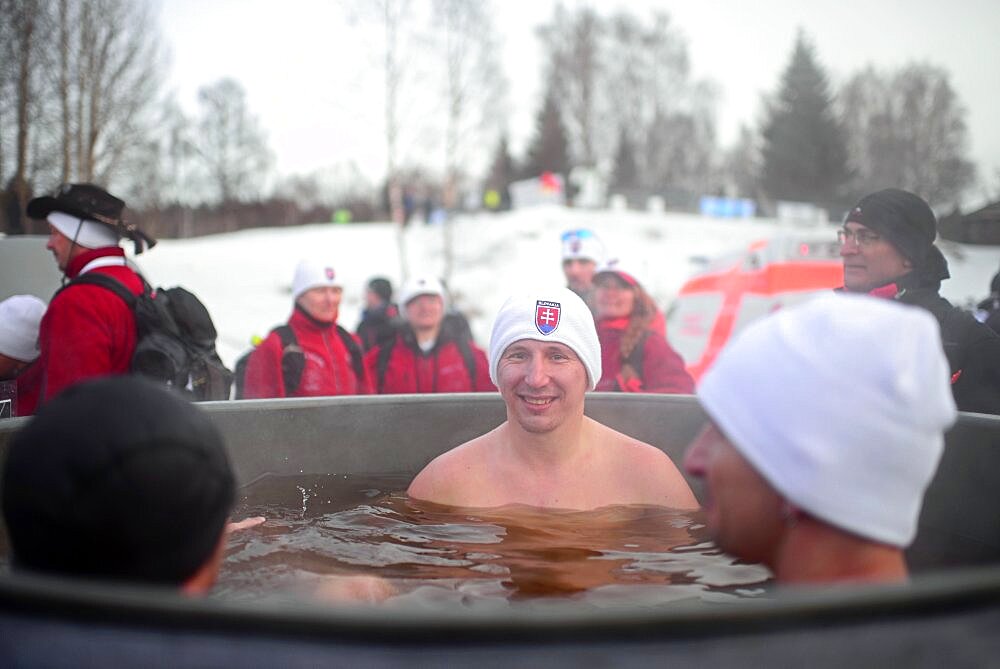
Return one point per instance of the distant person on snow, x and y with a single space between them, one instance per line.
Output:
635 355
310 356
887 244
824 432
432 351
378 318
582 253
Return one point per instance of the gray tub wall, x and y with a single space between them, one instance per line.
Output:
959 525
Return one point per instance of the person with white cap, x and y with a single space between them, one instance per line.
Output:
432 350
544 357
636 356
87 330
813 471
582 253
20 317
311 355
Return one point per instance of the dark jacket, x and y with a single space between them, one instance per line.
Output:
660 368
401 367
972 348
377 326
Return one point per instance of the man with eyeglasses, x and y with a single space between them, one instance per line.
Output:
582 252
887 245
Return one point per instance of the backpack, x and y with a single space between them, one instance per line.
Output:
462 336
175 338
293 360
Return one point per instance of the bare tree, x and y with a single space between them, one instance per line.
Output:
906 128
473 91
231 143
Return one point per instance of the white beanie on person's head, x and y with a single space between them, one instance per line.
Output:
582 244
841 404
553 315
88 234
310 274
421 285
20 316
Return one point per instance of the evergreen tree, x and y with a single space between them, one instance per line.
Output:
804 148
549 150
626 172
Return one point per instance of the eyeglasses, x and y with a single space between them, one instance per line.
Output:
582 233
860 237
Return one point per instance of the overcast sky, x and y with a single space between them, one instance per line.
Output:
310 76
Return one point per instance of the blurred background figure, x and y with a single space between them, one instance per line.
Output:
582 253
432 351
311 355
377 319
988 311
20 316
635 354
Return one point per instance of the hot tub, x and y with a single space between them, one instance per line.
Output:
949 613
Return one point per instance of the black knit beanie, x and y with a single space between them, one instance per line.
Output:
117 479
908 222
381 287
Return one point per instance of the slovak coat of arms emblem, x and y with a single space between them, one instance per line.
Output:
547 315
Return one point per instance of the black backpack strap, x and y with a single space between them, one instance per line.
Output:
381 362
107 282
465 348
635 358
357 357
293 360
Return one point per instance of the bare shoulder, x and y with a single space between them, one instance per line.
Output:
453 476
649 471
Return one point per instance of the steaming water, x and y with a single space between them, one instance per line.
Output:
442 556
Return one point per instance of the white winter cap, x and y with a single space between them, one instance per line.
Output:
88 234
420 285
20 316
582 244
310 274
556 314
841 404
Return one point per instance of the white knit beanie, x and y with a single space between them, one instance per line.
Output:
310 274
556 314
88 234
582 244
20 316
421 285
841 404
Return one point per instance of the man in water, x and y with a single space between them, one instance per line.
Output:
544 356
817 473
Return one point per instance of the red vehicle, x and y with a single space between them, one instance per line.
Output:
735 289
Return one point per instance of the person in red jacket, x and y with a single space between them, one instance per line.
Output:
87 330
433 351
326 359
635 355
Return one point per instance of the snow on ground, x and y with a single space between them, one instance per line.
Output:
244 278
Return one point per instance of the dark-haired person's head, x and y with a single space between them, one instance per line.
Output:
119 479
888 237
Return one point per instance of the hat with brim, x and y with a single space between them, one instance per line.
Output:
90 203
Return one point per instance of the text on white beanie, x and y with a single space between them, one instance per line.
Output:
841 404
20 316
554 315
